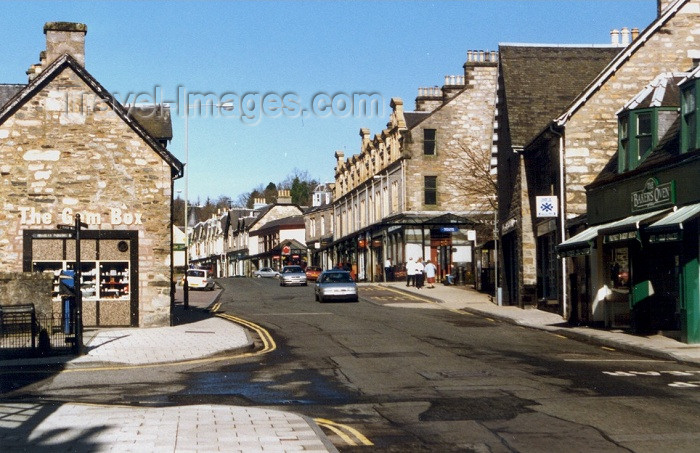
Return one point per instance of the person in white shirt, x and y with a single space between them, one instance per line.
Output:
410 273
430 271
387 270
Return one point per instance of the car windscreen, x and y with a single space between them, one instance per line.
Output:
337 277
195 273
292 269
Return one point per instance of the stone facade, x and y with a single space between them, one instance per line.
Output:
18 288
67 147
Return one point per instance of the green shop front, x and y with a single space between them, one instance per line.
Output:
645 246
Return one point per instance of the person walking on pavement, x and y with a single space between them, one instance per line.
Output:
430 271
410 273
419 273
387 270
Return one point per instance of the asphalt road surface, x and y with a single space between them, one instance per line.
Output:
406 375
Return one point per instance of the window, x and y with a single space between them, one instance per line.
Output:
623 145
644 134
429 142
689 124
430 185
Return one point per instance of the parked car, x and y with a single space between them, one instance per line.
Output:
335 284
312 273
292 275
266 272
199 279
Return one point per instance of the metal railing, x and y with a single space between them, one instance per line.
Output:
24 333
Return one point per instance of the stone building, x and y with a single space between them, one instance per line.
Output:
409 193
536 83
68 147
318 220
573 147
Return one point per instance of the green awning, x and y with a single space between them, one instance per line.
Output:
675 219
580 244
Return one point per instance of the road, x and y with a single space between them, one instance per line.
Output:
406 375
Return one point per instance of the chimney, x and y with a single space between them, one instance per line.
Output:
625 36
284 196
65 37
339 158
615 37
364 133
259 203
635 33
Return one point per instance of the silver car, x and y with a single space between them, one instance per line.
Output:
292 275
335 284
266 272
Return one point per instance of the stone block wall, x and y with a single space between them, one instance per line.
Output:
463 125
66 151
591 133
18 288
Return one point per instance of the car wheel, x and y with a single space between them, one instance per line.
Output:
258 276
316 297
305 284
281 283
321 299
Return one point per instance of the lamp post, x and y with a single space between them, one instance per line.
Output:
225 106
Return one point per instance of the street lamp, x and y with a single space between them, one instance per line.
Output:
225 106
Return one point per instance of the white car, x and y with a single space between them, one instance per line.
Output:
266 272
199 279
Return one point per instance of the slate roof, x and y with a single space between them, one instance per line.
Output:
663 91
154 118
413 118
8 91
540 81
296 221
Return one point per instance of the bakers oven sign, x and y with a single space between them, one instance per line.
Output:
654 195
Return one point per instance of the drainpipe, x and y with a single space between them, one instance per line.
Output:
562 218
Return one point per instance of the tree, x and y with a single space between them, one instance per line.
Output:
270 193
478 186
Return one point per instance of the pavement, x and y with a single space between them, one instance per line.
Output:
196 336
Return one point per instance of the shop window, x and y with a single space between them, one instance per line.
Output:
430 189
429 142
689 118
620 269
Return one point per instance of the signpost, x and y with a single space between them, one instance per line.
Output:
77 282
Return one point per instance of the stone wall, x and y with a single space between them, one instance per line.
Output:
464 126
591 133
66 151
17 288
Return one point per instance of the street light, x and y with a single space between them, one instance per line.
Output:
226 106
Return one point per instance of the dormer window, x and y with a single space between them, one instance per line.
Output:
638 134
689 116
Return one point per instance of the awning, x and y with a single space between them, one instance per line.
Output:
580 244
627 228
670 228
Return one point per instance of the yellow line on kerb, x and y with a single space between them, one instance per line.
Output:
350 435
269 344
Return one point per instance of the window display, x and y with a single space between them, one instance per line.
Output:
113 278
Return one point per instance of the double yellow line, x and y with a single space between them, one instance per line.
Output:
350 435
268 342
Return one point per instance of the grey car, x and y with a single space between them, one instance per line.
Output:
292 275
266 272
335 284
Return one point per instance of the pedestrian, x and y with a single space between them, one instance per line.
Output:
387 270
419 273
410 273
430 271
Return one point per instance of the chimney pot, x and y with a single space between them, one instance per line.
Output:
625 36
615 37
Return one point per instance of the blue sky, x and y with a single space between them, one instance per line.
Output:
294 49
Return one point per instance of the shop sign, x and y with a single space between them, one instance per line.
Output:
30 216
666 237
618 237
547 206
509 225
286 250
449 229
653 195
376 243
361 243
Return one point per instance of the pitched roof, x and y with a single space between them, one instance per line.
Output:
64 61
8 91
663 91
620 59
154 118
413 118
540 81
